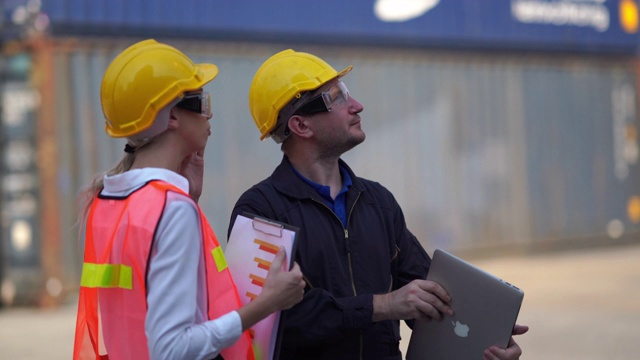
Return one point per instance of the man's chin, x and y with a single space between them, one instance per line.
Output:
357 140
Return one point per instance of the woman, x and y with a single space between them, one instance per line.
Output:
154 282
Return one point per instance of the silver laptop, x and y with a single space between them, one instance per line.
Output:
485 311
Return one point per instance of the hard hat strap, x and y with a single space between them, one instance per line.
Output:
281 131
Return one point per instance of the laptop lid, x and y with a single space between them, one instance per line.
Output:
485 312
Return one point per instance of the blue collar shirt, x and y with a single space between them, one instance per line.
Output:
337 205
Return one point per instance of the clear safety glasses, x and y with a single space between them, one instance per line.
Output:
334 98
199 103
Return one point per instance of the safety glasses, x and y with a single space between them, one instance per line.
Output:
333 98
199 103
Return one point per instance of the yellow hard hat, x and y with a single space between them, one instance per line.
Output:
283 77
142 80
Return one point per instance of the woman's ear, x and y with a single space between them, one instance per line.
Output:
299 126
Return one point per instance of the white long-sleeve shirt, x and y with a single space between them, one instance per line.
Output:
176 325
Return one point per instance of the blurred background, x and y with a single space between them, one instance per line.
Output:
507 130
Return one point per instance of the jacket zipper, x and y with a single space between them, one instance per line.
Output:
353 283
348 249
346 240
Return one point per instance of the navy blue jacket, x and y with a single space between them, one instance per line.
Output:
343 267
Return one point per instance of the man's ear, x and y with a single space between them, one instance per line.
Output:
173 119
299 126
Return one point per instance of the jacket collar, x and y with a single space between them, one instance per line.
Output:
286 181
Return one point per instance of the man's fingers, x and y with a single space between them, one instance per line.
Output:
434 288
519 329
435 296
428 311
435 308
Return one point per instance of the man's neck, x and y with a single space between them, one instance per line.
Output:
321 171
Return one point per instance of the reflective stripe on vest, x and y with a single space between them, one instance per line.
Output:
106 276
219 259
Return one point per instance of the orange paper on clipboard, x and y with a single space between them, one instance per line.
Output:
253 244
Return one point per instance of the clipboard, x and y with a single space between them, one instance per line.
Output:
252 246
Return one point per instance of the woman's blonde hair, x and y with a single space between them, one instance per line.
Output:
88 193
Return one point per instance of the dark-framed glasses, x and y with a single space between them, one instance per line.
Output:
333 98
199 103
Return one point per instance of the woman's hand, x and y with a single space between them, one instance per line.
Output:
192 168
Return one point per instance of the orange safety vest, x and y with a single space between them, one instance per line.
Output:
119 238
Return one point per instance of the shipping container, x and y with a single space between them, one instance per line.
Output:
609 26
491 135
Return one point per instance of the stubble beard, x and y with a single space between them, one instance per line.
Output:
335 147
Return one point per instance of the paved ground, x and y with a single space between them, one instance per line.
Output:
580 305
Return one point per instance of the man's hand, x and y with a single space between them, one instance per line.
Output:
419 299
512 352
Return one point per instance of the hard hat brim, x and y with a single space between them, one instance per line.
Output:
345 71
210 72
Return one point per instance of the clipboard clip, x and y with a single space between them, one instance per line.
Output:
267 227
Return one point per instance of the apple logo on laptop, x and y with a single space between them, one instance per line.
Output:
462 330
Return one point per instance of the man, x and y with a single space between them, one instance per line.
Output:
363 268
